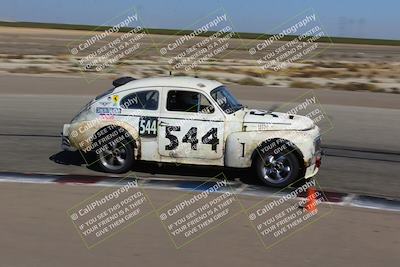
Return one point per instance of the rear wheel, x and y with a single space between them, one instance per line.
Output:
116 156
277 169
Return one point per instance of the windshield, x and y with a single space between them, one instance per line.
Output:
226 100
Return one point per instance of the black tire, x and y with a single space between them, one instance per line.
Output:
115 155
276 168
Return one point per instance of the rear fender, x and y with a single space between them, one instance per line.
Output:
81 134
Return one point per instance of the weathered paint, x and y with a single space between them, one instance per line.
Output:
246 128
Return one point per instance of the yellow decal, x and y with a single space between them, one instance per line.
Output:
115 98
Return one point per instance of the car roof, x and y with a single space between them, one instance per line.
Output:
171 81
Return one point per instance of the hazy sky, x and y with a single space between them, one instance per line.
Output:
354 18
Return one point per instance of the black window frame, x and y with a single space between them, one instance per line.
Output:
190 91
138 92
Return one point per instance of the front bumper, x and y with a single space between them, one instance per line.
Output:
313 169
316 161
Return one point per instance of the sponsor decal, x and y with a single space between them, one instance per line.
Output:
105 103
108 110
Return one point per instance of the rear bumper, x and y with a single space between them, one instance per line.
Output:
65 142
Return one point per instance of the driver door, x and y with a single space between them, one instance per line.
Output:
190 126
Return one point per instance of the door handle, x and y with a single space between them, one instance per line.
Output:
163 123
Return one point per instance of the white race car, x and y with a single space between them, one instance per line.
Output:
188 120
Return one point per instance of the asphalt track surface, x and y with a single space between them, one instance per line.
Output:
362 157
36 231
362 148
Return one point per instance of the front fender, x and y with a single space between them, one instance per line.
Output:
241 146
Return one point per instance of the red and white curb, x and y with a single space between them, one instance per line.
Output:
332 198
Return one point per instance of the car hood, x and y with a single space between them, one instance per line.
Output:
263 120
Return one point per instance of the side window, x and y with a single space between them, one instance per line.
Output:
188 101
141 100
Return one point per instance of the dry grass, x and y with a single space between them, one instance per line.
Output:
321 73
395 90
331 65
300 84
38 70
30 70
275 84
352 68
354 86
19 56
249 81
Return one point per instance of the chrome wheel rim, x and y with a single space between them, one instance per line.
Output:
277 168
114 157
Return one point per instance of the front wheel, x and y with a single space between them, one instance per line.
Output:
277 169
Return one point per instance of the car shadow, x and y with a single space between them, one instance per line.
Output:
204 172
68 158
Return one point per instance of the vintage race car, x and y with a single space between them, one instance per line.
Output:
186 120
